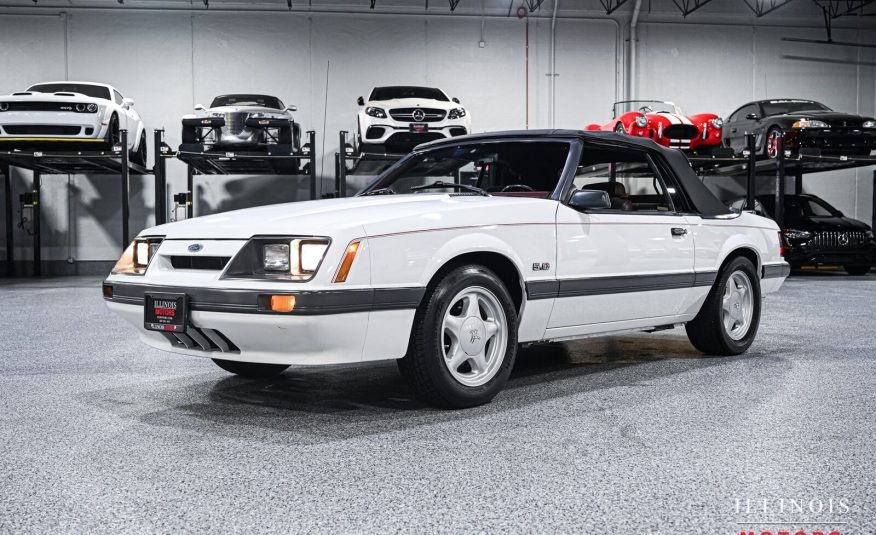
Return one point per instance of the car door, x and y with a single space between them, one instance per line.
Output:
626 266
742 124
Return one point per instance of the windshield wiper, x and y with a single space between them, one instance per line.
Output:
378 191
442 184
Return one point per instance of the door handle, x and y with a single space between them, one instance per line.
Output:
678 231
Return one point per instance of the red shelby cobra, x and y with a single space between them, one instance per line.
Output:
665 123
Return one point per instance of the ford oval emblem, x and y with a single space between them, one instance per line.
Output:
195 248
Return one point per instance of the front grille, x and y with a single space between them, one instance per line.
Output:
214 263
42 130
235 122
430 115
680 131
41 106
201 339
839 240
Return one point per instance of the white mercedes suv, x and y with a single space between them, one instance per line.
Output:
397 118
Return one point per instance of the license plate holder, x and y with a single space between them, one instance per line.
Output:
419 128
165 312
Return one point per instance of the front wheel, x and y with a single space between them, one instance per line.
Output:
139 157
252 370
729 318
113 135
857 270
464 340
619 128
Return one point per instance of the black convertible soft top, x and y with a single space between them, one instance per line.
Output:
704 201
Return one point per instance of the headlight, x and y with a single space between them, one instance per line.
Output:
641 121
797 234
717 123
869 234
375 112
91 108
291 259
810 123
4 106
137 256
456 113
869 124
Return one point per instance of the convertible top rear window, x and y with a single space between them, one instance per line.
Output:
391 92
93 91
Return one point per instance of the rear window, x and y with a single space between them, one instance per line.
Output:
389 93
263 101
94 91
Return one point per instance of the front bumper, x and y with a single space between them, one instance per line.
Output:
325 327
853 141
51 126
807 256
397 134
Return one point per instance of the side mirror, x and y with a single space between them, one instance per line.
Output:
200 107
360 101
291 107
752 117
454 99
128 102
589 199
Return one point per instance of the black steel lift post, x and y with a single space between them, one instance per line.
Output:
360 163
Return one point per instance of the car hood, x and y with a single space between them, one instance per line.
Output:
413 103
842 224
830 117
246 109
369 215
35 96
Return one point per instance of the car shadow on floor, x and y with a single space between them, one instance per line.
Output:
329 403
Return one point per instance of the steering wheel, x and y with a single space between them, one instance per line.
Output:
646 109
517 187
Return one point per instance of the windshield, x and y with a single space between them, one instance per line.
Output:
644 106
797 208
779 107
521 168
94 91
389 93
263 101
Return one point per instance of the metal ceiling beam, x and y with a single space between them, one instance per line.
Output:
611 5
534 5
764 7
689 6
841 8
453 4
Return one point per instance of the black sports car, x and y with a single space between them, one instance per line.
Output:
807 125
817 234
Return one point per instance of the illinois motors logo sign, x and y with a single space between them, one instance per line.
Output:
791 516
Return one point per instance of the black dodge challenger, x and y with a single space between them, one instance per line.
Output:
807 125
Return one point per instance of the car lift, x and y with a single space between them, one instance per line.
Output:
114 161
750 165
243 163
363 163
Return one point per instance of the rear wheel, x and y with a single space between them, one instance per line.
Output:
251 370
857 270
729 318
464 340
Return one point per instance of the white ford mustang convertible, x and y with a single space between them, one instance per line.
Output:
453 257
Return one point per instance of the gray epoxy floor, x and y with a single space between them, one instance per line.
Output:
629 434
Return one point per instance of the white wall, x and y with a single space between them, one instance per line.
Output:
169 61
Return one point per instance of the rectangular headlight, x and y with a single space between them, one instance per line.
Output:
137 256
276 257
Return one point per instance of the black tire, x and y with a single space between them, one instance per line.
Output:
707 332
140 156
619 128
251 370
113 135
857 270
424 366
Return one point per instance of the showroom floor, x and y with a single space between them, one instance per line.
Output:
631 434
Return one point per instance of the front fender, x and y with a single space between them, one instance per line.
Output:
475 242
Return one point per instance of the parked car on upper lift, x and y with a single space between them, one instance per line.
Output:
806 125
817 234
398 118
52 113
665 123
452 257
242 122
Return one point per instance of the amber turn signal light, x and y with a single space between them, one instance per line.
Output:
282 303
347 262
